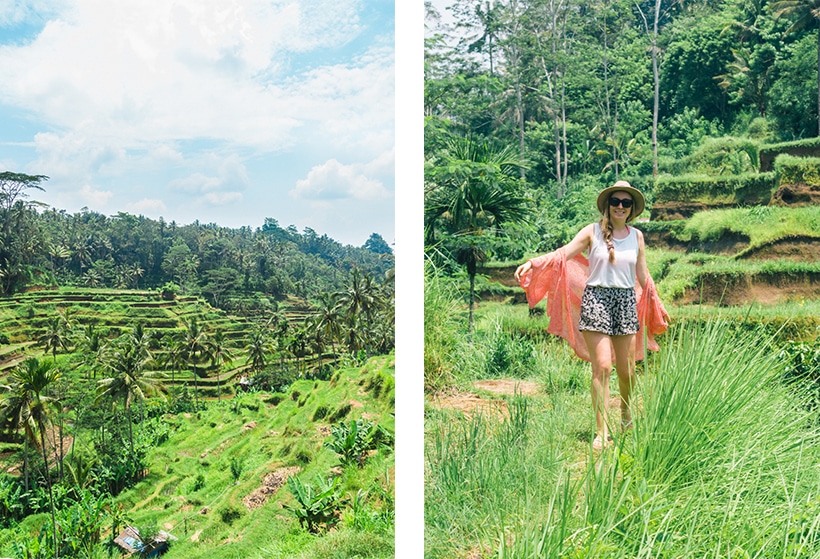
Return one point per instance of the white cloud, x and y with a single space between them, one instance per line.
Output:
230 174
147 206
150 71
332 180
221 198
94 198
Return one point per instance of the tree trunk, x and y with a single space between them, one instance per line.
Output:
472 297
656 76
130 430
50 493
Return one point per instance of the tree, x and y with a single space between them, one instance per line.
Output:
377 244
472 194
806 13
128 380
257 348
55 335
219 282
180 263
18 237
219 354
327 317
30 407
194 350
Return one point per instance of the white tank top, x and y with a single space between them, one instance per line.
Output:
621 274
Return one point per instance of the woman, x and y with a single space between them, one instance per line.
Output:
608 318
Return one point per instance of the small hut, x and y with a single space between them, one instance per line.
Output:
132 543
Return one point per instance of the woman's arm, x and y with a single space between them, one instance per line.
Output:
581 243
640 268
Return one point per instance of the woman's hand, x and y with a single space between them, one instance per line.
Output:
522 269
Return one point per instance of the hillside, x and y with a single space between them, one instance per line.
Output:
26 316
216 480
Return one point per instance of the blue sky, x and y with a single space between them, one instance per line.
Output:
225 111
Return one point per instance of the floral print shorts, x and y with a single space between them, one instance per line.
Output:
610 310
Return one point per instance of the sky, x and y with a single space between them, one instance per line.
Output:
222 111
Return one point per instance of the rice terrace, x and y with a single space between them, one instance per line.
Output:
191 390
534 108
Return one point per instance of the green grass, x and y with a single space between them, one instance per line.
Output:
761 224
252 435
722 462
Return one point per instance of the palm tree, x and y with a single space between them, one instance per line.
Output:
30 408
471 194
194 350
128 381
55 336
90 343
257 348
806 14
327 317
219 354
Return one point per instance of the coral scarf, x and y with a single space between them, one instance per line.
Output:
562 282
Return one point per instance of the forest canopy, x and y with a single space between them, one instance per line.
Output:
585 93
45 246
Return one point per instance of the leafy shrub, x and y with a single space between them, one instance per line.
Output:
237 465
352 442
199 482
317 506
229 514
801 369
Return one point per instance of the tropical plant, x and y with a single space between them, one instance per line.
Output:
257 349
219 354
30 407
806 13
129 382
471 192
317 506
55 336
352 442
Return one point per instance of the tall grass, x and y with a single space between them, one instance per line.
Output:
441 328
722 462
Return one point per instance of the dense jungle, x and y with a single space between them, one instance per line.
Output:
709 108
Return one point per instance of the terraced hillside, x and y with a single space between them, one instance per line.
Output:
760 262
217 480
26 316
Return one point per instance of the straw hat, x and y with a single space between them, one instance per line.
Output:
622 186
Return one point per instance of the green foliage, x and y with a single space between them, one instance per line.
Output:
237 466
229 514
317 506
801 369
352 442
717 156
737 189
798 170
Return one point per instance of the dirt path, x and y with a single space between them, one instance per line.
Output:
470 403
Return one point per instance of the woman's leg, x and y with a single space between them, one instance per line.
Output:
625 367
600 355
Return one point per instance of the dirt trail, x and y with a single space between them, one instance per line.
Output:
470 403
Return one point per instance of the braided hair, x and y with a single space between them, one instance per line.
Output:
607 230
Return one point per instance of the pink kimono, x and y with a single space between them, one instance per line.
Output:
562 282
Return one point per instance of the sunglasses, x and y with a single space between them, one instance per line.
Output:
625 202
